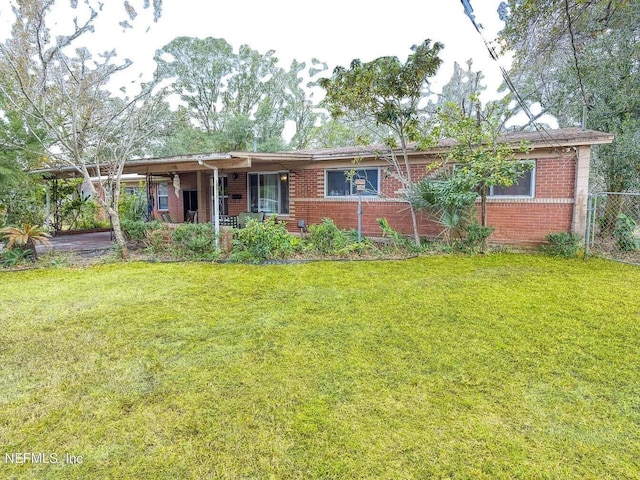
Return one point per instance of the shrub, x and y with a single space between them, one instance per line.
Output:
260 241
397 241
562 244
195 240
326 238
475 238
88 217
11 258
158 240
624 233
133 206
137 230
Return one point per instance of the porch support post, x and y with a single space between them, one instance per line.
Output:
216 201
201 192
216 206
47 220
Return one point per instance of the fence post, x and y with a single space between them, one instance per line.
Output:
587 234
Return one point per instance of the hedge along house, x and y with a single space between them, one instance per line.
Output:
311 185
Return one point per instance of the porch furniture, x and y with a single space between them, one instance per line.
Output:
228 221
192 216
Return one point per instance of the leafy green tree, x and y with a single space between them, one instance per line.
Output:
480 158
235 98
581 61
386 92
21 198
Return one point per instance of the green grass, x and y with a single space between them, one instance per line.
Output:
499 366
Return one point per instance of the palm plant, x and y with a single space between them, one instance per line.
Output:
24 238
449 199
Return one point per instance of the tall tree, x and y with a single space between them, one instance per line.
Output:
236 97
20 200
460 89
581 61
387 93
63 100
481 158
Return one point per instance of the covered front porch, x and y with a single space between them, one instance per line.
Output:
219 189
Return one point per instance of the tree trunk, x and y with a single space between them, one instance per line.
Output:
414 221
30 246
409 184
121 241
483 208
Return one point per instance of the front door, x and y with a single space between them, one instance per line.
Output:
189 202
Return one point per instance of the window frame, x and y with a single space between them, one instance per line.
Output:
375 194
158 195
532 183
280 199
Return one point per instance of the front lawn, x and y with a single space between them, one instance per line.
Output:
497 366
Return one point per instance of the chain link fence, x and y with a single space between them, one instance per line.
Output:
613 226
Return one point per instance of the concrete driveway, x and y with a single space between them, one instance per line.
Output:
79 242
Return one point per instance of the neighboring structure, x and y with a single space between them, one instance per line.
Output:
310 185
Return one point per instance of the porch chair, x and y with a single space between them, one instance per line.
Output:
192 216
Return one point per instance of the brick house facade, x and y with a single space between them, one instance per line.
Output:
310 185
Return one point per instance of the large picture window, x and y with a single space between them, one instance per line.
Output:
524 186
269 192
339 183
163 196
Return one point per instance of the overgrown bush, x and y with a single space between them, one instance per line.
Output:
133 206
12 258
562 244
624 233
260 241
24 203
396 241
326 238
137 230
158 240
195 241
475 237
87 217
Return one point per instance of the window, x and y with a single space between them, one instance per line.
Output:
269 192
524 186
163 196
339 183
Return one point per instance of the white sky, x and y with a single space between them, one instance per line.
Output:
333 31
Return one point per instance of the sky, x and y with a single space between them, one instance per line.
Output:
333 31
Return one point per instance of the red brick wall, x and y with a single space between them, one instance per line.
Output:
237 186
515 220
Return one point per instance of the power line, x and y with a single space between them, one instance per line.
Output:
575 59
468 9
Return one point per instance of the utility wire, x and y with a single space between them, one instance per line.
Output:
575 59
468 10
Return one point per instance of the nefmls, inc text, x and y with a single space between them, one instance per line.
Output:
42 458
